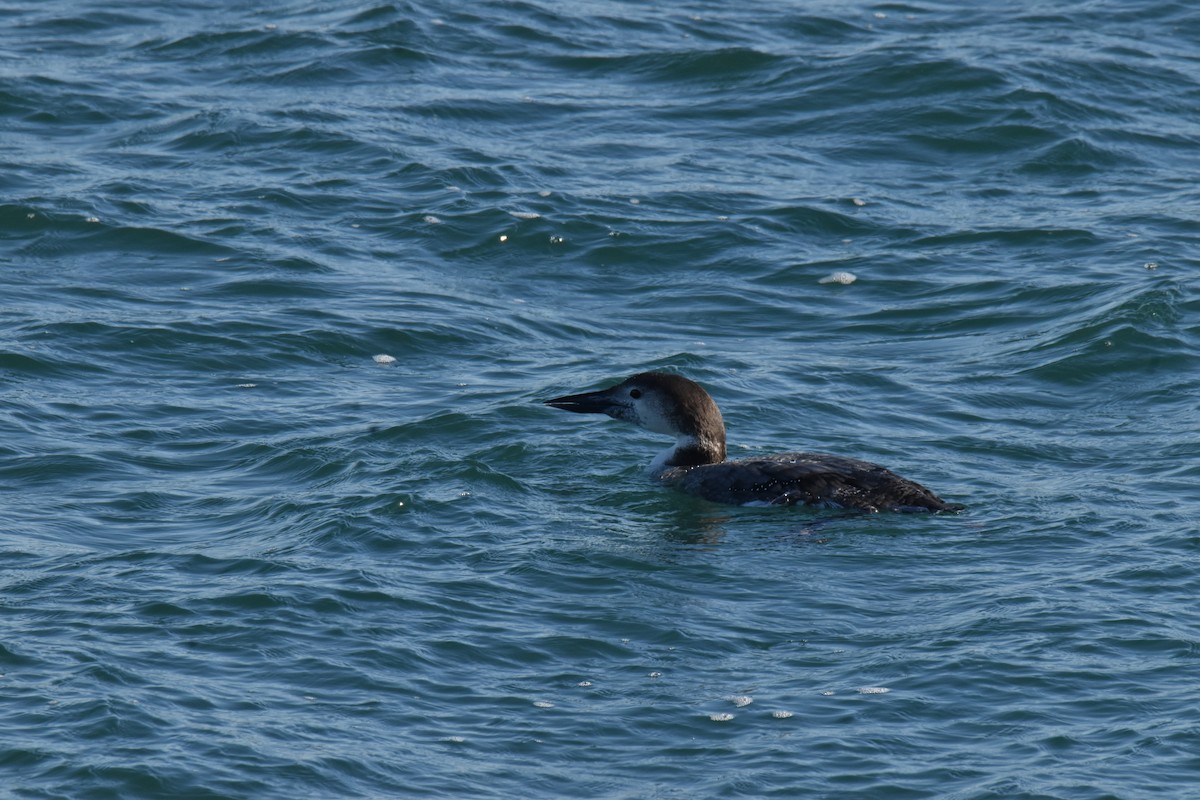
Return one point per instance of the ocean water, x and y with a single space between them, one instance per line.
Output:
282 286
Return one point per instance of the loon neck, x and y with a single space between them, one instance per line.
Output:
690 451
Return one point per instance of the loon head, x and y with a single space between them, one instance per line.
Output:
662 403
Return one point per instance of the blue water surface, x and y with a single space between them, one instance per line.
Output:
282 286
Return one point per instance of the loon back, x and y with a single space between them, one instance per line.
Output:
674 405
812 479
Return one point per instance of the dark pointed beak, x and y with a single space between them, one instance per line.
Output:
586 403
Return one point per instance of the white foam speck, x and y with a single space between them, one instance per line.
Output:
453 739
504 237
432 220
720 717
524 214
246 385
92 219
782 714
741 700
384 359
585 684
635 201
543 704
544 193
557 240
1151 265
655 675
873 690
844 278
858 201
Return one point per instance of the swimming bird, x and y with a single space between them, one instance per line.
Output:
676 406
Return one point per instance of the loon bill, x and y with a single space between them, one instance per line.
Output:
675 406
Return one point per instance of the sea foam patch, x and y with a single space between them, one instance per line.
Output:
844 278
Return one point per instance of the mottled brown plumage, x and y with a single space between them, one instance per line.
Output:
812 479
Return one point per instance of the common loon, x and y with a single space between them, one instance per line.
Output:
673 405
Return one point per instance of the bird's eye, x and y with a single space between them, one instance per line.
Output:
635 393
